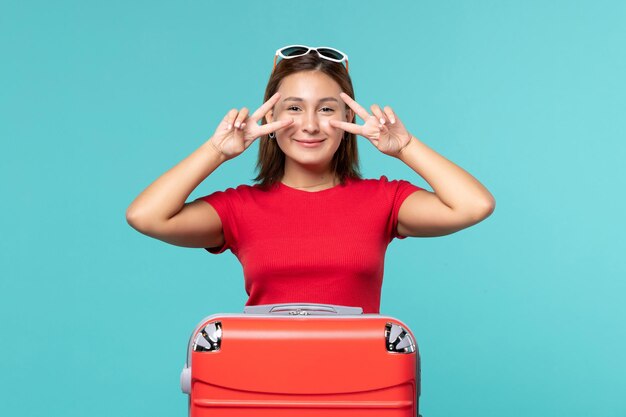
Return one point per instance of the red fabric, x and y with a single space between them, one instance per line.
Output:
319 247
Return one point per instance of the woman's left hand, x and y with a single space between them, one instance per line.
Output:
384 129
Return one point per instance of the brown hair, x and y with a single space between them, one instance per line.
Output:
271 160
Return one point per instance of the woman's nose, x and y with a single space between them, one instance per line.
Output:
310 122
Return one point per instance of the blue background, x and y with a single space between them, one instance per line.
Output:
522 314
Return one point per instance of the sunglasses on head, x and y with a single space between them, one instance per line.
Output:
294 51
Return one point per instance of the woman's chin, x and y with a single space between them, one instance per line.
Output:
314 162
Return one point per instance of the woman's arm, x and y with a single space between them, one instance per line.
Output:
160 210
459 200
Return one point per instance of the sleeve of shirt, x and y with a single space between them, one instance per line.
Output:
223 203
398 191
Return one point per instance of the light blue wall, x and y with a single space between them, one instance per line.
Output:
520 315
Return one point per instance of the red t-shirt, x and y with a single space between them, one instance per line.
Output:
318 247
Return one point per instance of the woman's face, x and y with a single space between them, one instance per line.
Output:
311 99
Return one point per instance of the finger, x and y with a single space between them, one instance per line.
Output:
238 133
348 127
267 106
229 118
378 113
243 113
390 114
363 114
384 132
274 126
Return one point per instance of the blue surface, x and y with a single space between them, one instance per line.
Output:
521 315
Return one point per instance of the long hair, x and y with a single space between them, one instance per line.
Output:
271 160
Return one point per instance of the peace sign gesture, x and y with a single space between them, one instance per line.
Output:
384 129
237 131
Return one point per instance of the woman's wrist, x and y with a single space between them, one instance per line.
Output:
406 149
215 151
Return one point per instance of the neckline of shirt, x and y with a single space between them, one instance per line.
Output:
318 192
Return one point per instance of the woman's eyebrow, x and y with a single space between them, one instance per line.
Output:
319 101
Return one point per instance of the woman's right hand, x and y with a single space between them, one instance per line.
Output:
237 131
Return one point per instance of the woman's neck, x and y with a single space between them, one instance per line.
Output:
308 179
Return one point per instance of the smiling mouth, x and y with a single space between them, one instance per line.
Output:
309 140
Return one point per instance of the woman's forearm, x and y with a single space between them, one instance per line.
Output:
166 196
454 186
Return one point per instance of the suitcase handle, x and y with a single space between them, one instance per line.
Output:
304 309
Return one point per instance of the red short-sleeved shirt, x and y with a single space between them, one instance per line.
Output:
320 247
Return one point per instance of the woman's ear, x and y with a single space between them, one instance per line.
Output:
269 116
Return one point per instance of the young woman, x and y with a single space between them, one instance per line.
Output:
311 229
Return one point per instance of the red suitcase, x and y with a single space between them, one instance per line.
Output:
287 360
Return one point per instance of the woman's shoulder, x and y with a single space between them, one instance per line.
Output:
382 181
384 185
238 192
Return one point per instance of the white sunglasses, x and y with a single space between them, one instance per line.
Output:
294 51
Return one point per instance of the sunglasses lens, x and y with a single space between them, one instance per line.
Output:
330 53
294 51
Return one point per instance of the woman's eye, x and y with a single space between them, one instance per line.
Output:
324 109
